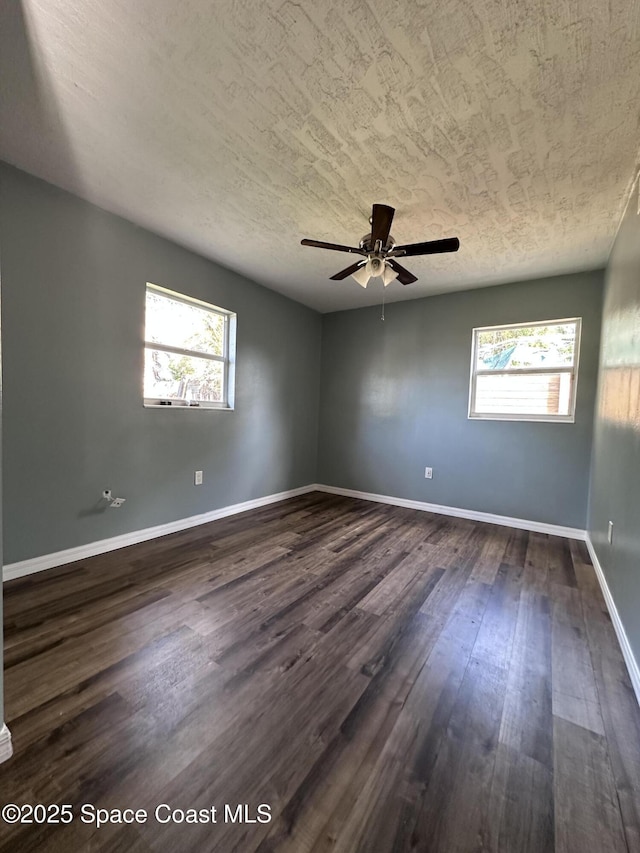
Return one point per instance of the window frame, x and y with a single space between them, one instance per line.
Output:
227 359
573 370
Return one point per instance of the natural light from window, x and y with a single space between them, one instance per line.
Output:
187 351
525 371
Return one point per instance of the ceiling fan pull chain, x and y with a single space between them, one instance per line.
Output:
384 293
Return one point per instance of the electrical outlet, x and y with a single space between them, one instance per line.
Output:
428 473
197 478
610 533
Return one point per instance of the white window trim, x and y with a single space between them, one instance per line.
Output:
573 370
228 361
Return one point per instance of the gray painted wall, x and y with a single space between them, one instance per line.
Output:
1 547
615 479
394 399
73 280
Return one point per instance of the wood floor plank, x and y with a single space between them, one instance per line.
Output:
491 555
575 695
339 775
386 680
460 782
527 718
523 796
561 568
516 550
587 812
583 568
494 643
537 562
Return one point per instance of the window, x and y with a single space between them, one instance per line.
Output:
525 372
188 352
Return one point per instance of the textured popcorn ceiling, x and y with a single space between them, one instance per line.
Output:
238 127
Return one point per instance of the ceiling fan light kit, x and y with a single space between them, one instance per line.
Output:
374 268
361 275
380 250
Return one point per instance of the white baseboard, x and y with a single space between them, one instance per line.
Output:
623 640
522 524
102 546
70 555
6 749
473 515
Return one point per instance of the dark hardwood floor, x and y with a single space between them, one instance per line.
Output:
383 679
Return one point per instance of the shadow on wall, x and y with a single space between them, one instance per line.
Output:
71 321
29 97
380 387
261 459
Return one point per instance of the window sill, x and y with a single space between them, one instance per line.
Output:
182 407
530 419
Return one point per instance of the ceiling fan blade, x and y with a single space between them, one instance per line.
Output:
381 219
334 246
432 247
404 276
344 273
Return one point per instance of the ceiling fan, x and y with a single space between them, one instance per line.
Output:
380 251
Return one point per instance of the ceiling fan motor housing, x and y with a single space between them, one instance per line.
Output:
367 244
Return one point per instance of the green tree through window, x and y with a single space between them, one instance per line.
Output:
186 349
